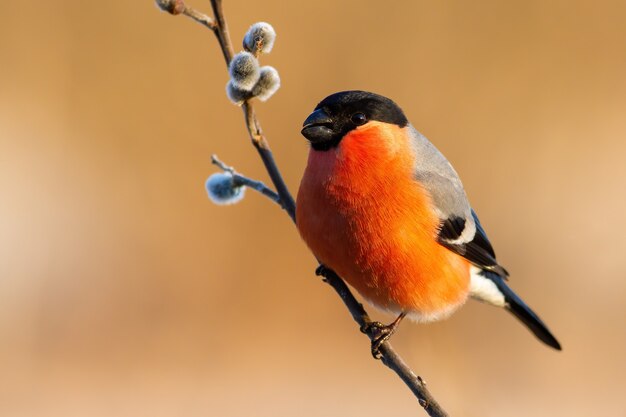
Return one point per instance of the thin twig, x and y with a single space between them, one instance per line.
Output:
389 357
200 17
240 179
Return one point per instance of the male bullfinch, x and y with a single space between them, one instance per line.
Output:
382 207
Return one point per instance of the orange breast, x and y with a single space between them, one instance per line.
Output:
361 213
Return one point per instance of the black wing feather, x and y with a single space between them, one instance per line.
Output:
478 251
452 228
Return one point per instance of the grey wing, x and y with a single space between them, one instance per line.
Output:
460 230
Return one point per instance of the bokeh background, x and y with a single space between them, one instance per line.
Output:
124 291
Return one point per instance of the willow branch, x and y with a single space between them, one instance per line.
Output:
220 29
389 357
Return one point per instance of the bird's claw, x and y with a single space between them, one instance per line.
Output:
379 333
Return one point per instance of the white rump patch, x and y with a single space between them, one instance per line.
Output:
483 289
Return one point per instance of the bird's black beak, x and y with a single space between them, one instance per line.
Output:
318 127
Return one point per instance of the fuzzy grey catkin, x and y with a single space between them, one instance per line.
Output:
268 84
259 38
221 189
244 70
236 95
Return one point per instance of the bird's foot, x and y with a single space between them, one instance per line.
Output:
379 333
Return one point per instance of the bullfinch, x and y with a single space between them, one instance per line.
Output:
383 208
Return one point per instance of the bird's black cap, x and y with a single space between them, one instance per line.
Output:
341 112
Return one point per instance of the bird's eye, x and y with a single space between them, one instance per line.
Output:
358 119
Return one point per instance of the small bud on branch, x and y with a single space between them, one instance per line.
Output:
171 6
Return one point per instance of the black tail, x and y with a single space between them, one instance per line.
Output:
519 309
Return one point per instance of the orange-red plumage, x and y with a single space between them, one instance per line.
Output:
362 213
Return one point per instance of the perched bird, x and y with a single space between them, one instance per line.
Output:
383 208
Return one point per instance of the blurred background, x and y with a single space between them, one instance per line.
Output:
124 291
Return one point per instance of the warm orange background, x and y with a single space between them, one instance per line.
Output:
125 292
